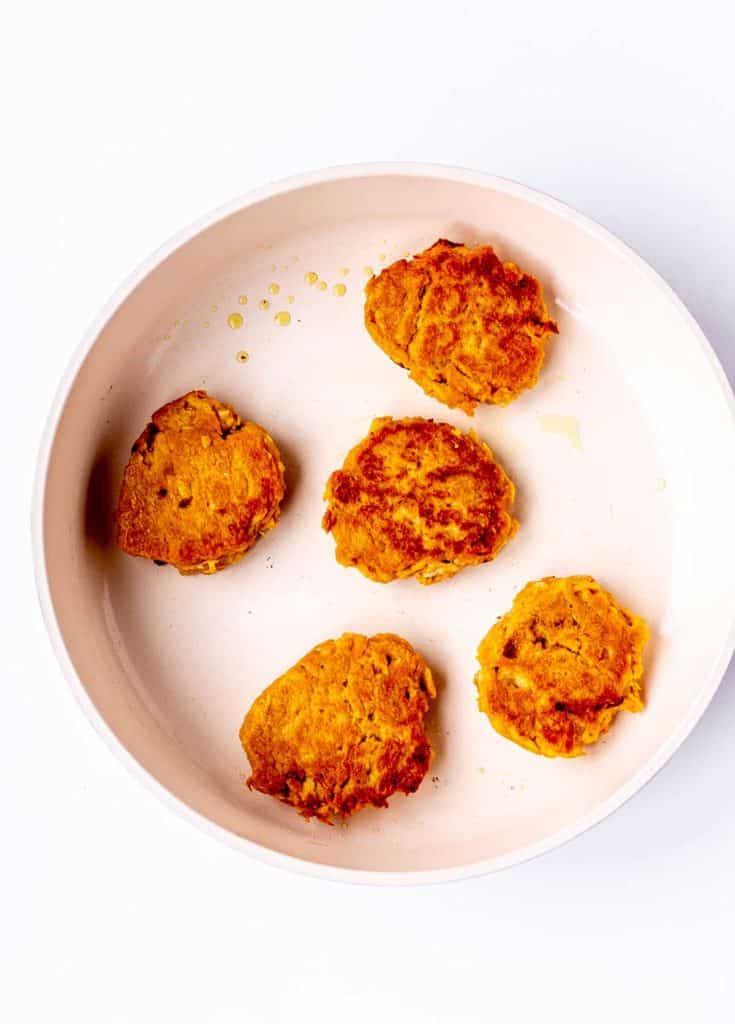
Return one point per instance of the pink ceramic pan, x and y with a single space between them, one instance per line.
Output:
623 457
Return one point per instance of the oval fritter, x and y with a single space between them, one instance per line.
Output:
201 485
344 728
557 668
468 327
418 498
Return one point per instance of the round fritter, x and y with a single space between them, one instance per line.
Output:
469 328
557 668
201 485
344 728
418 498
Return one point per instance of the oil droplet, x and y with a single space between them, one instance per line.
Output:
167 337
481 770
243 300
339 289
382 257
176 323
235 320
322 286
344 271
290 298
215 308
264 304
242 357
660 484
311 277
283 318
568 425
368 271
284 266
274 289
273 267
206 323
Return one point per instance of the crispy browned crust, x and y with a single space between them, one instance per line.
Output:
201 485
418 498
558 667
344 728
469 328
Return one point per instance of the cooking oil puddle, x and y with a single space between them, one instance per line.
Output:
567 425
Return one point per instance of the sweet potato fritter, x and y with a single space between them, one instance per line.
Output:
201 485
557 668
418 498
344 728
469 328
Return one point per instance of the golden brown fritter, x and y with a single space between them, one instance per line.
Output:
344 728
418 498
201 485
469 328
557 668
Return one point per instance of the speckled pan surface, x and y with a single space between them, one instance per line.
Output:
623 456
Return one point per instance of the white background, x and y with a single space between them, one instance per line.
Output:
119 125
